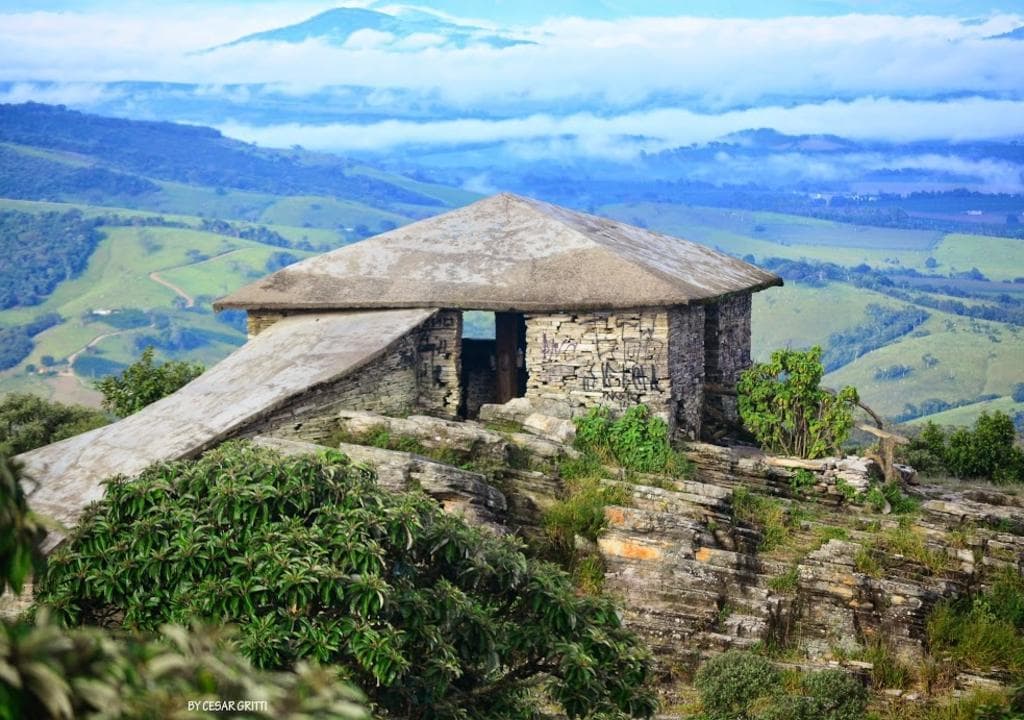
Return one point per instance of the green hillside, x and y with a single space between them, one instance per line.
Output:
925 324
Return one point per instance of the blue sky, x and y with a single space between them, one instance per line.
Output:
611 78
530 11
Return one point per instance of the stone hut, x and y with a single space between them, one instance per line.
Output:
587 311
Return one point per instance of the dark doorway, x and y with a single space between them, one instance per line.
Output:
510 351
493 359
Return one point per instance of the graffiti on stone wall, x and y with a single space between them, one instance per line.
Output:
554 348
619 361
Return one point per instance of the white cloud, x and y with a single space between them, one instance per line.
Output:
585 133
586 86
720 63
78 94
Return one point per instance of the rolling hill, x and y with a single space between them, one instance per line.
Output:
925 323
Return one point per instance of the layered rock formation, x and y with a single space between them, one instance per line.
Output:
824 581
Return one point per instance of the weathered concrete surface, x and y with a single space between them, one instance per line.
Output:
507 253
287 359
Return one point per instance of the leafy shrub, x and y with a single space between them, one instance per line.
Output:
91 673
636 441
787 707
143 383
985 451
313 560
927 452
837 695
50 673
21 531
802 481
28 421
731 684
782 404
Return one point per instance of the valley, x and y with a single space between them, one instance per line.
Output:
185 234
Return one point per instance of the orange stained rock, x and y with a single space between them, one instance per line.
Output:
628 550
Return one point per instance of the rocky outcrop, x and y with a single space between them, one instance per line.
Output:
694 579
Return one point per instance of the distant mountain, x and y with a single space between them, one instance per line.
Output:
1015 34
141 151
337 26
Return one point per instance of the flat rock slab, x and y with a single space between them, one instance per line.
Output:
458 491
288 358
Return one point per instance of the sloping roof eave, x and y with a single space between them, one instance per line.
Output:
490 305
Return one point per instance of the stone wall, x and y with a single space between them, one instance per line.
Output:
256 321
418 373
686 368
438 363
727 355
616 359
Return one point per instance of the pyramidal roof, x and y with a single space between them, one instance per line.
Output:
507 253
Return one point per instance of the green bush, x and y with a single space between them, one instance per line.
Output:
782 404
731 684
986 451
143 383
837 695
636 441
313 560
742 685
51 673
787 707
926 453
21 530
28 422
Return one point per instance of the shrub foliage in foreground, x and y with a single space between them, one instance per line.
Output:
50 673
782 404
431 617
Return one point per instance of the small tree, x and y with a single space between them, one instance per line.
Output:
28 421
987 451
782 404
142 383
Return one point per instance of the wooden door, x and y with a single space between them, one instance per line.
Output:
506 342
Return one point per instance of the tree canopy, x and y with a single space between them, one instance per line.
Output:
311 559
50 673
144 382
28 421
783 405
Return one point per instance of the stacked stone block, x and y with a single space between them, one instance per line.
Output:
686 368
438 352
727 355
615 359
418 373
